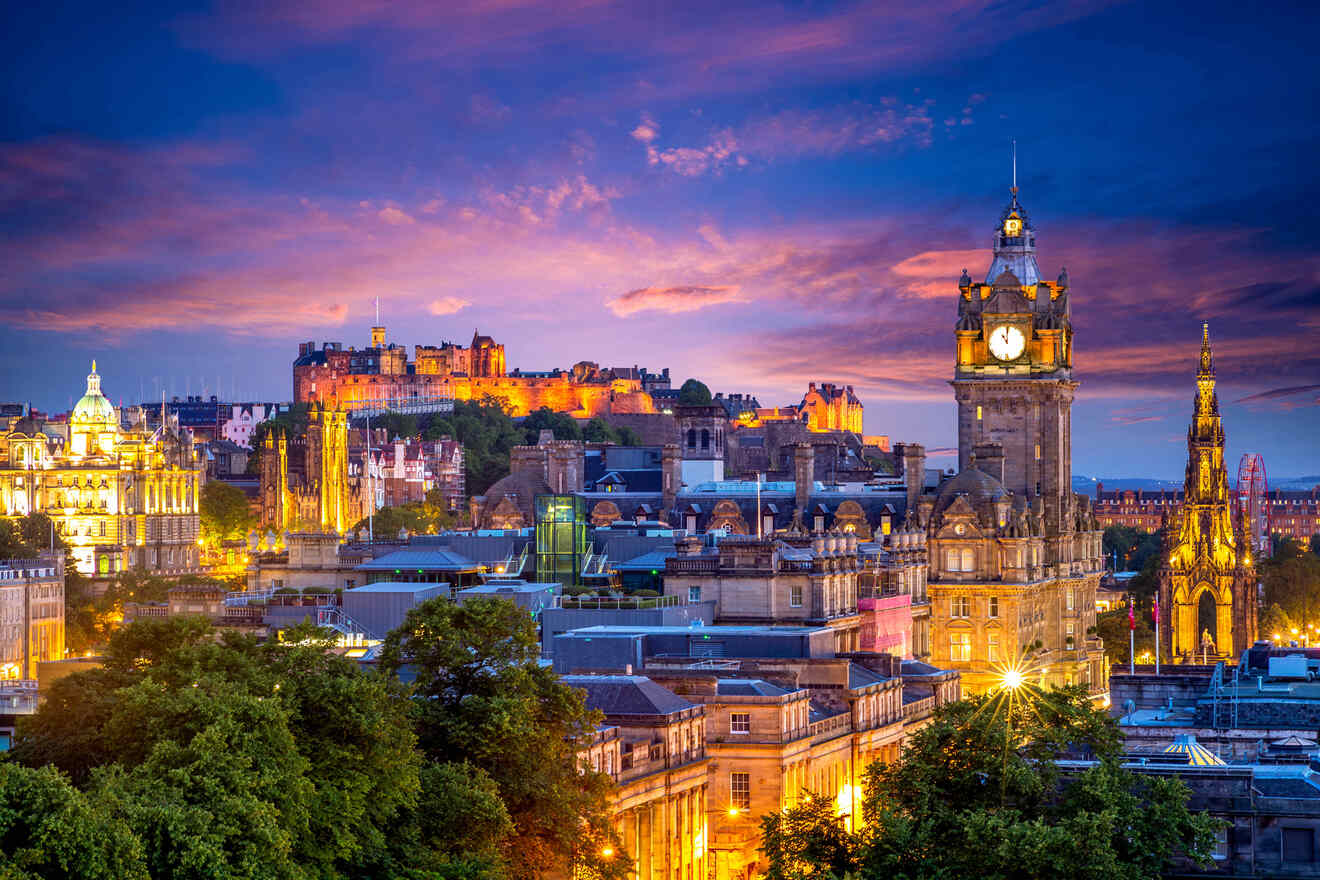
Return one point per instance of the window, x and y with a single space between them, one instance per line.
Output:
978 414
968 560
1070 598
992 647
694 594
1298 845
993 609
795 596
740 790
960 647
960 606
740 722
692 438
705 439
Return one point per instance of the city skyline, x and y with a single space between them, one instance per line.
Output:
792 203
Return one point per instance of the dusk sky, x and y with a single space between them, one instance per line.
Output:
759 195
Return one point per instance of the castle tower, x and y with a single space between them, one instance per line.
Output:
1013 370
1207 582
701 441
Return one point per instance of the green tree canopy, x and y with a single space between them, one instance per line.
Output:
481 695
979 793
1292 581
694 392
224 513
1132 545
226 757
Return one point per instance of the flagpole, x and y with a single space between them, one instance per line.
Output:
1157 634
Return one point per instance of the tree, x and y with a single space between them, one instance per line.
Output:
564 426
1292 581
49 829
1276 622
224 513
694 393
979 793
226 757
1112 626
481 695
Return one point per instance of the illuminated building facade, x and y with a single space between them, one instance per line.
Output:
1208 582
120 497
306 482
31 614
1289 513
1015 555
829 407
452 372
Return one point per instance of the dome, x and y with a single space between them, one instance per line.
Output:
93 407
976 484
521 488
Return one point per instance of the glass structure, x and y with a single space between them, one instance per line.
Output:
561 538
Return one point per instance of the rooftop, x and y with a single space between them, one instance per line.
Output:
437 559
397 587
627 695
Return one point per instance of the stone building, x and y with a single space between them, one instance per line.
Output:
121 497
1015 555
382 372
830 407
31 614
1208 580
770 581
309 483
550 467
653 746
404 470
768 731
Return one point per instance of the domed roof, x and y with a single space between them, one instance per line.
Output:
520 487
93 407
976 484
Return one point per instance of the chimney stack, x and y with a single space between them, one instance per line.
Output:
913 456
988 458
804 474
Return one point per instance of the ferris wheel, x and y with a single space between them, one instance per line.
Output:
1251 493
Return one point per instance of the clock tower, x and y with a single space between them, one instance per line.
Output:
1013 370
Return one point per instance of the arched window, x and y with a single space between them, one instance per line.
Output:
705 438
692 438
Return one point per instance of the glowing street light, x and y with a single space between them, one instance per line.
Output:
607 852
733 812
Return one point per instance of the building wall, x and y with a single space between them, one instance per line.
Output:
31 615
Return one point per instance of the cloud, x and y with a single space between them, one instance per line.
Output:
392 215
447 305
671 299
794 134
646 131
1285 398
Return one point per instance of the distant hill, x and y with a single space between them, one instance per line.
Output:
1086 484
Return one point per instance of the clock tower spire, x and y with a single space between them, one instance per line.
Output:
1013 366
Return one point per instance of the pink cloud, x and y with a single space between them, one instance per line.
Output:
392 215
447 305
671 299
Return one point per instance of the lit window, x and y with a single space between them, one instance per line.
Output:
795 596
694 594
992 648
740 790
960 606
960 647
994 607
740 722
1070 599
978 414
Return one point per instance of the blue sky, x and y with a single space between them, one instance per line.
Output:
761 196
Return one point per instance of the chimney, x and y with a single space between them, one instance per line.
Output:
988 458
671 477
913 456
804 468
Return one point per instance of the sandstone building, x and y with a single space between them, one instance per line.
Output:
1208 582
121 497
382 372
307 483
1015 555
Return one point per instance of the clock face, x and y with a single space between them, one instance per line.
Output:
1012 227
1007 343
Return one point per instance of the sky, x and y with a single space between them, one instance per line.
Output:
759 195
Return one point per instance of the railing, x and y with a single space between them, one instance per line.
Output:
918 710
353 632
615 603
18 696
248 597
828 728
706 564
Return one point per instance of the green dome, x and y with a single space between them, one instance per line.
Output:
93 407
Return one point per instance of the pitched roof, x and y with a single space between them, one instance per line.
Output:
438 559
747 687
627 695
